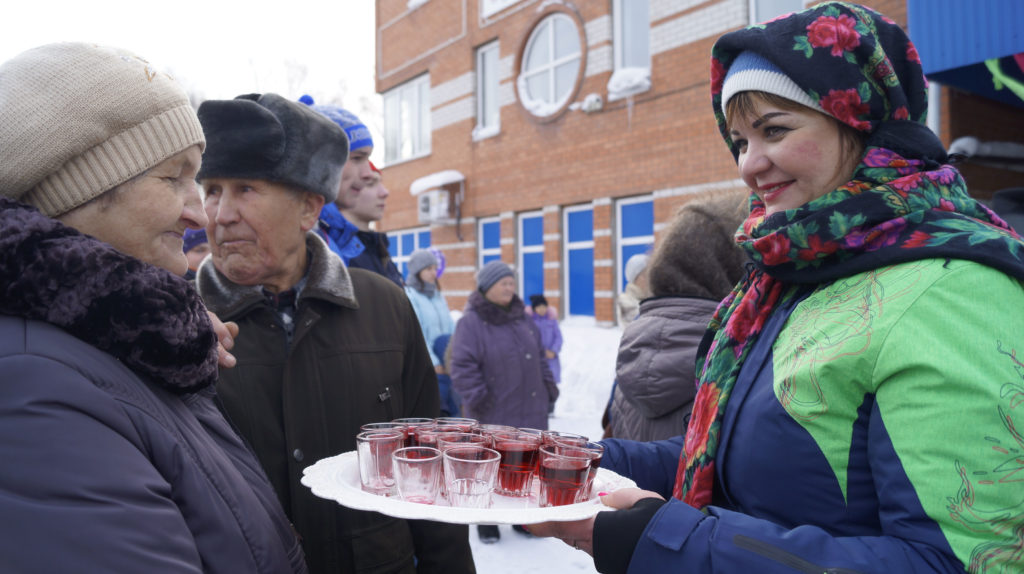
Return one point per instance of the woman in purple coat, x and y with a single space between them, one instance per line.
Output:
498 364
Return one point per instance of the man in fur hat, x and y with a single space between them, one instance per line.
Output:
317 355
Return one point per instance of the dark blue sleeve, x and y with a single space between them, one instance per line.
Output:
681 538
652 465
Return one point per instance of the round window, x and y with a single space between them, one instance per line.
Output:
550 65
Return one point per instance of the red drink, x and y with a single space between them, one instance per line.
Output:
518 462
562 480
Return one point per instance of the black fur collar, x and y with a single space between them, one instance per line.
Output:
150 319
494 314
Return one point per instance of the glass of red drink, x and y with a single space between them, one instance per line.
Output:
412 424
596 451
387 427
519 455
553 436
450 439
563 474
464 424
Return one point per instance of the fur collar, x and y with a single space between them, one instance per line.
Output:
151 320
494 314
327 279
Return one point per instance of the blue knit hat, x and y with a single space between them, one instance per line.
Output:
193 237
357 132
753 72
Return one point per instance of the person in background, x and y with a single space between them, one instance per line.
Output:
368 208
546 320
424 291
694 266
196 247
116 455
451 404
859 401
636 288
322 349
498 365
345 222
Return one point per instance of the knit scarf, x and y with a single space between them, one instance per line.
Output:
416 283
152 321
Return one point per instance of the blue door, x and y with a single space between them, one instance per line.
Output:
579 259
531 254
636 231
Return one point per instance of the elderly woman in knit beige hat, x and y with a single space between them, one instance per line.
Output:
107 354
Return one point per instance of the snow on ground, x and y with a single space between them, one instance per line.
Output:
588 369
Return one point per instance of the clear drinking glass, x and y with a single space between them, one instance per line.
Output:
418 473
470 473
374 449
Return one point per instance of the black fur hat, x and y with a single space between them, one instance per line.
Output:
265 136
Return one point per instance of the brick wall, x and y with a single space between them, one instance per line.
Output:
663 141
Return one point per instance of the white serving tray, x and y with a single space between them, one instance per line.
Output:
337 478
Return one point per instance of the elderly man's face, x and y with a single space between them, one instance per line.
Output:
257 230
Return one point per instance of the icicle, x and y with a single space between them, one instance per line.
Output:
629 112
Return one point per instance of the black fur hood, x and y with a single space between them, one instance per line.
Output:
151 320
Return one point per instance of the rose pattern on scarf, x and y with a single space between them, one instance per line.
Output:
847 107
838 33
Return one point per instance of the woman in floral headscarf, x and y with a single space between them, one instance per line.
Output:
860 395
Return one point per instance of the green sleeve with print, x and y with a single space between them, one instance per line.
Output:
940 345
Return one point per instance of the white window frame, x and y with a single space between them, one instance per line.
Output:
524 249
621 242
567 246
481 251
489 8
627 80
544 108
488 87
413 130
755 19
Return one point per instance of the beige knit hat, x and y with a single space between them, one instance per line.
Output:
79 119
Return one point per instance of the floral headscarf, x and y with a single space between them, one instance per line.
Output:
902 203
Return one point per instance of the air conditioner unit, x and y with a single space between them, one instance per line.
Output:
436 206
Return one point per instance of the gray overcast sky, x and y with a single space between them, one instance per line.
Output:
219 49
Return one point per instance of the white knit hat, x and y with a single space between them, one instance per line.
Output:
79 119
751 71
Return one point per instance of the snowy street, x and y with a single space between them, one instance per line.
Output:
588 369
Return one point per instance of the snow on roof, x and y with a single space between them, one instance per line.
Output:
435 180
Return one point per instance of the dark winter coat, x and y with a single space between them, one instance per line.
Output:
655 370
357 356
117 458
498 365
375 256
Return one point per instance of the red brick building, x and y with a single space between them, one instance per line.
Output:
562 135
